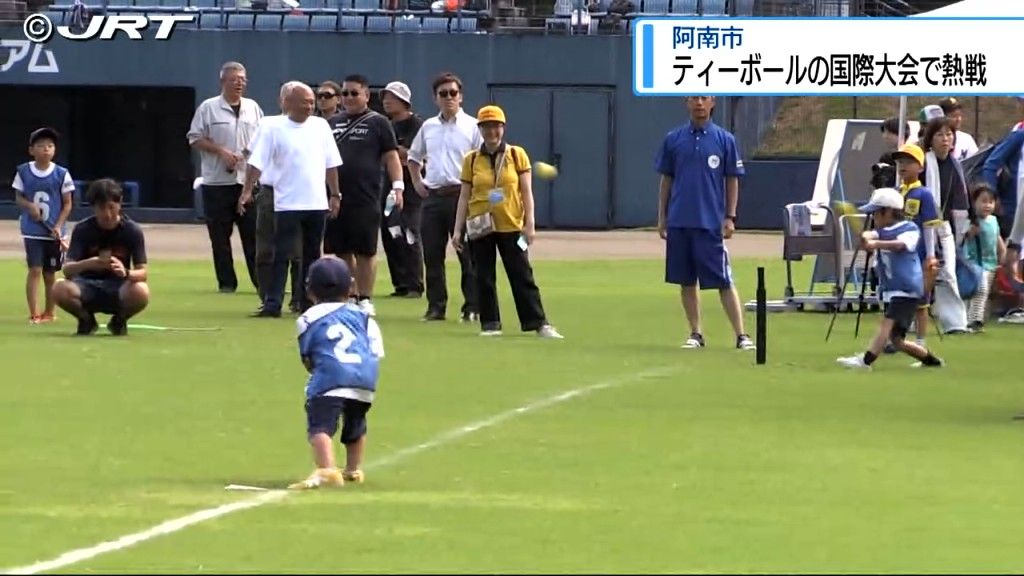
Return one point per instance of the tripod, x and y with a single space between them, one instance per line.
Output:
846 283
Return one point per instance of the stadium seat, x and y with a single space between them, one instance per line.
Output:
378 24
296 22
366 5
468 24
435 23
202 3
655 7
317 4
713 8
269 21
323 22
688 7
408 23
744 7
56 16
352 23
146 3
241 21
211 21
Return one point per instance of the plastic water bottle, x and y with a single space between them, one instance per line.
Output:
389 203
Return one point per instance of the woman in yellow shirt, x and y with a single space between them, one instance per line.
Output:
496 211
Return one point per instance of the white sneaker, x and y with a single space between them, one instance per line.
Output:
548 331
856 361
367 307
491 333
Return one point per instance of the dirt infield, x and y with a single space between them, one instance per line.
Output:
190 242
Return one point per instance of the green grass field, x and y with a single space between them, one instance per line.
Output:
667 460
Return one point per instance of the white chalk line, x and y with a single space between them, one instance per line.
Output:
171 526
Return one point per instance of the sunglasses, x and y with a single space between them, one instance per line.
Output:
447 93
326 95
350 93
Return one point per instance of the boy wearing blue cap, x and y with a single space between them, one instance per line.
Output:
341 347
898 268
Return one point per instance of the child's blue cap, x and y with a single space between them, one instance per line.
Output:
48 133
329 277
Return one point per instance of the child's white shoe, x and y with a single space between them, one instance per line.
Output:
856 361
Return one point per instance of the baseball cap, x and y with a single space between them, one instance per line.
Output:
400 91
950 104
329 277
930 112
490 114
911 151
41 133
883 198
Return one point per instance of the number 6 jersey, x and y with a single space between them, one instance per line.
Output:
344 346
46 190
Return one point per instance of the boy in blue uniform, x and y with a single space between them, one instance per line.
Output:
341 347
898 266
700 170
919 206
43 192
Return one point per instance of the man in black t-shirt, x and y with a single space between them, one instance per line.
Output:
404 249
106 265
367 143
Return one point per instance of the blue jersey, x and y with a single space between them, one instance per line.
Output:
698 160
344 346
919 206
46 190
899 271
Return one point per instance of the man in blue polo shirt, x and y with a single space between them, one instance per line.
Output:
700 170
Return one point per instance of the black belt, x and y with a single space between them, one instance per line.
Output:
445 190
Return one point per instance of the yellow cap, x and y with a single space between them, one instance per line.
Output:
490 114
913 151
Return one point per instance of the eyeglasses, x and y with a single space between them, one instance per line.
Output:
350 93
447 93
326 95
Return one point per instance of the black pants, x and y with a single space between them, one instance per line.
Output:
438 224
520 279
405 253
221 206
310 225
265 247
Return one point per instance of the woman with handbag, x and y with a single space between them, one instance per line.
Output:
495 211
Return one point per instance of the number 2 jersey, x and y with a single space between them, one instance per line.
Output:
899 271
344 346
45 189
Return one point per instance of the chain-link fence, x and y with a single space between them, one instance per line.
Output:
798 128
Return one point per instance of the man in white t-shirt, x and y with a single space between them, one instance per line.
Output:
964 145
301 154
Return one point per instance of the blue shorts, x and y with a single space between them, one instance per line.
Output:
695 255
44 254
323 412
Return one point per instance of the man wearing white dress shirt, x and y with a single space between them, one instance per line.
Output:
301 155
440 145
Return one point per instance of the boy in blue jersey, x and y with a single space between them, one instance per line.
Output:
898 267
43 192
700 169
341 347
919 206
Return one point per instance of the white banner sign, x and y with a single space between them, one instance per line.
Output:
827 56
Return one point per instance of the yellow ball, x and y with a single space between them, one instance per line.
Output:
544 171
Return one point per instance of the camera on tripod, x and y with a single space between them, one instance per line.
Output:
883 175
